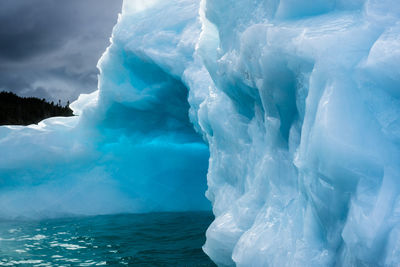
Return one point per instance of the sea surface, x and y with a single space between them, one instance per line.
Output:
155 239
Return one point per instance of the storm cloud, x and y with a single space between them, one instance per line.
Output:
50 48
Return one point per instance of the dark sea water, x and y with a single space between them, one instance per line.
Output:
156 239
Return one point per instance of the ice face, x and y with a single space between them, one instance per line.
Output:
302 120
299 107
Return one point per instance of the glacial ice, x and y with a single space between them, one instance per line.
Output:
299 106
304 154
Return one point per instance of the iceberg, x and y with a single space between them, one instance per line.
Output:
289 108
131 147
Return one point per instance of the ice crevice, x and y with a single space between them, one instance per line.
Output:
290 109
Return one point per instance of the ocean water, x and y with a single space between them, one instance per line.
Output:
155 239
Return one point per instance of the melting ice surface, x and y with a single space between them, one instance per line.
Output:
298 104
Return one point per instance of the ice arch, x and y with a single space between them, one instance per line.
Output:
132 148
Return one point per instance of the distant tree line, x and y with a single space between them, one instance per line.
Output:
15 110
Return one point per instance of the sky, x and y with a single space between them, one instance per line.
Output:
49 48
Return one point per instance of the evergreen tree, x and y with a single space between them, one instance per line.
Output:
15 110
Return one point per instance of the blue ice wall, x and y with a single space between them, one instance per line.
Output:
302 119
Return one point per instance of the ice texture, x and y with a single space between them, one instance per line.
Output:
303 123
297 101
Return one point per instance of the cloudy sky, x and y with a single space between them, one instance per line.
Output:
49 48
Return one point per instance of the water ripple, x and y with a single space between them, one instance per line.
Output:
166 239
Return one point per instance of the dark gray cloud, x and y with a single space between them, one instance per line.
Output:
50 48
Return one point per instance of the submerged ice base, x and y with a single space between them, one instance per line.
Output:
299 107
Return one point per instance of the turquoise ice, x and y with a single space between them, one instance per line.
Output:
131 147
